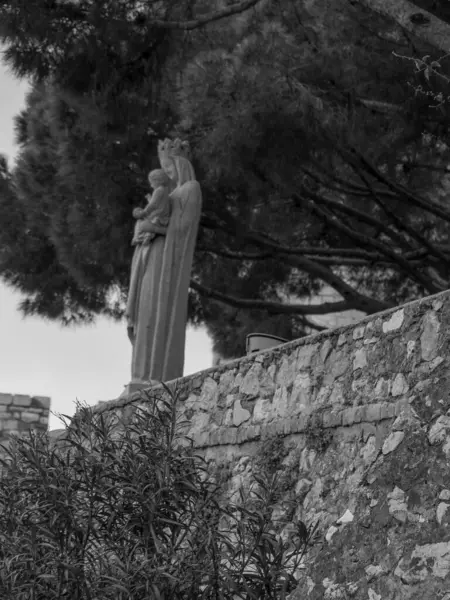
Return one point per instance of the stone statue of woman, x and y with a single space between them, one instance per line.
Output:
160 276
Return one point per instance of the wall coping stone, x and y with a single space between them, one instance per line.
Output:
196 379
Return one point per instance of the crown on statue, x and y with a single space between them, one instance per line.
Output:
169 148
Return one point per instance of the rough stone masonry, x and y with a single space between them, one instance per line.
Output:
376 396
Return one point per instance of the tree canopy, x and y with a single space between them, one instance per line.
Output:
319 139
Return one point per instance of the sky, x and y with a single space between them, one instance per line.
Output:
41 358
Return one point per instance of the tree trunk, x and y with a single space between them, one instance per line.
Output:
435 31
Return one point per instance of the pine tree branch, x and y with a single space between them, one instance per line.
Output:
309 266
315 251
401 261
326 256
351 187
236 255
274 307
402 192
359 215
416 165
337 224
434 31
222 13
382 107
402 225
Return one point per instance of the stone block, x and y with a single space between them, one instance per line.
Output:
424 562
302 423
40 401
286 372
289 426
401 406
268 430
342 339
439 430
372 412
242 436
325 350
253 432
382 388
399 385
358 414
196 382
440 511
221 436
209 394
358 332
251 382
433 364
429 337
280 401
301 390
387 411
279 427
332 419
410 346
359 386
31 409
339 363
392 441
323 394
10 424
347 416
240 415
29 417
214 438
438 304
230 436
394 322
337 394
6 399
369 451
360 359
304 356
202 439
261 410
226 381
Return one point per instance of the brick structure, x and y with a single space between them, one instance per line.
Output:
20 413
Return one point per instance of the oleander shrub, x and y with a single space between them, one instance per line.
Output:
136 515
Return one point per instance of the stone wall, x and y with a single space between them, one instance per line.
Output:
20 413
361 415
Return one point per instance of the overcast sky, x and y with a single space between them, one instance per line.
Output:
42 358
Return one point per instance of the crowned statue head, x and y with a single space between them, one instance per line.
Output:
174 158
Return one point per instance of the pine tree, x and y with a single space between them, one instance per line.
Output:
319 163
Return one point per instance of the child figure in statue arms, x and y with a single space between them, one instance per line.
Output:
157 211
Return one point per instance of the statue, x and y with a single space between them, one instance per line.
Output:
161 269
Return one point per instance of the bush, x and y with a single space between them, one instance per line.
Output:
135 516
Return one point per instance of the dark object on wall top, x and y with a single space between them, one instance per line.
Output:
419 19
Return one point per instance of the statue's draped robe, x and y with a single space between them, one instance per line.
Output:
158 296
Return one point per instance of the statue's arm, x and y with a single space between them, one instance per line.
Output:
151 228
